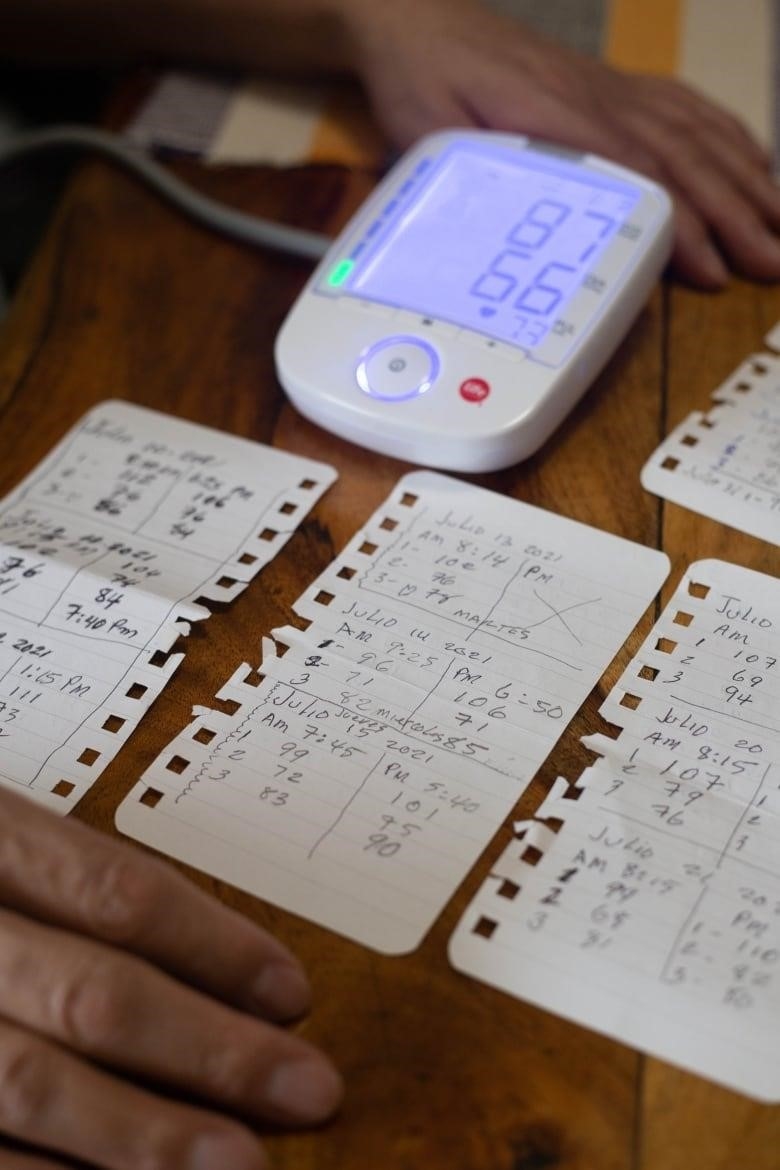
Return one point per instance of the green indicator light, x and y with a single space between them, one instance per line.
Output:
340 272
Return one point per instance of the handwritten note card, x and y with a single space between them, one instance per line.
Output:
106 550
726 464
366 767
653 913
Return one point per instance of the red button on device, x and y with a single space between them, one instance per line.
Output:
474 389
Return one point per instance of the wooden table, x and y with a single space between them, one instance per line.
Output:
127 299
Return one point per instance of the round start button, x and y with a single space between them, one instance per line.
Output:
474 389
397 368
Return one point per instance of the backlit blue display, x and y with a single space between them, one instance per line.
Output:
489 239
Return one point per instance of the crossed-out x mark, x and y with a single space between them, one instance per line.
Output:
558 613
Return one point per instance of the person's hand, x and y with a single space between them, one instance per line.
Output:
137 1016
429 64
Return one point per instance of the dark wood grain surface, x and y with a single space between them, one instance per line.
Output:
127 299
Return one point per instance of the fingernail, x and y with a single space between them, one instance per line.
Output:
218 1151
282 990
306 1090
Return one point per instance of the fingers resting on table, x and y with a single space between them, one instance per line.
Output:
117 975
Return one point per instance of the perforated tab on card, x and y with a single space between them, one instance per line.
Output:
222 588
723 464
509 877
429 670
753 385
108 552
645 916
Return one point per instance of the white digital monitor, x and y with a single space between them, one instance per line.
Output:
473 298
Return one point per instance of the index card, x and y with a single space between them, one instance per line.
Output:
724 464
653 913
376 751
107 551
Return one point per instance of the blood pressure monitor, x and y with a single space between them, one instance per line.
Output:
473 298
